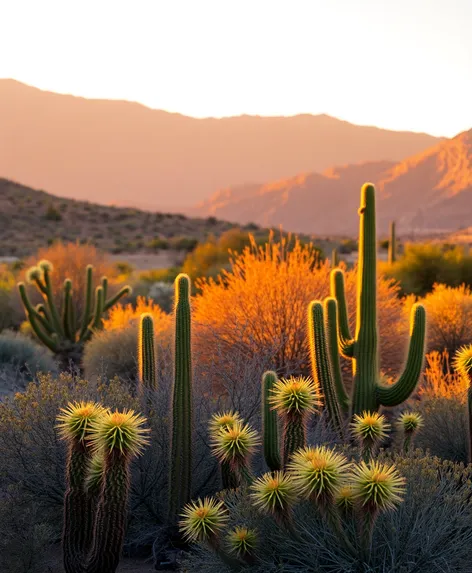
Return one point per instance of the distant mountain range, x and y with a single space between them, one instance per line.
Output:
428 192
123 153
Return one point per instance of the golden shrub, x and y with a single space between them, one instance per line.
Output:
440 380
449 316
124 315
259 307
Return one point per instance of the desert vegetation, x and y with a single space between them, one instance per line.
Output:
256 407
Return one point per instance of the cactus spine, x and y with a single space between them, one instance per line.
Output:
181 448
58 330
392 244
147 353
368 392
269 424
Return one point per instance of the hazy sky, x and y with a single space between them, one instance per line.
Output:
403 64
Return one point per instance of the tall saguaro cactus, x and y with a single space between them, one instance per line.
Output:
181 448
59 330
269 424
392 244
363 348
147 353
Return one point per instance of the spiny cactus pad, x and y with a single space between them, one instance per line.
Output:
378 486
274 493
235 444
223 421
370 427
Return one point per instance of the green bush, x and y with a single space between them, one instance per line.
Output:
423 265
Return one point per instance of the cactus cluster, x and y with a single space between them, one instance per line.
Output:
101 444
56 326
330 336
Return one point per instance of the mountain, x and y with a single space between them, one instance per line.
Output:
29 219
123 153
428 192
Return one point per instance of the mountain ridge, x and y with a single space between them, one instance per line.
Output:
114 151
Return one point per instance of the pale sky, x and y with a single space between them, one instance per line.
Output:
403 64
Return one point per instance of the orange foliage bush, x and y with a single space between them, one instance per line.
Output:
70 260
449 316
440 380
121 316
259 307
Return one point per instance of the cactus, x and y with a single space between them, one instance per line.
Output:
58 331
181 447
463 365
269 424
101 445
334 258
368 392
392 244
147 353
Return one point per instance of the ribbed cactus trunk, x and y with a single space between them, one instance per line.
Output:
294 435
181 447
392 244
270 428
366 367
79 510
322 366
110 525
147 353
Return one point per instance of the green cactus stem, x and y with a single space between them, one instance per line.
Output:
368 392
181 446
392 244
269 424
147 353
322 371
334 258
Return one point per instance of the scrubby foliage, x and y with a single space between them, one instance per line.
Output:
423 265
259 307
21 358
449 311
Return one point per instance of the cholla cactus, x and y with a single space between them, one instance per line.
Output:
463 365
275 493
370 429
318 474
409 423
234 445
101 446
242 542
204 520
294 398
377 488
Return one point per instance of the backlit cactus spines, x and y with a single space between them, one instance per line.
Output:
321 364
181 447
392 244
147 353
270 428
58 329
463 365
368 393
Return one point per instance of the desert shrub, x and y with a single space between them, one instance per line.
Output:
163 294
204 259
21 358
159 275
449 312
423 265
259 307
123 315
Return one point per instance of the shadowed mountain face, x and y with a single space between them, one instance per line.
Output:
116 152
430 191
